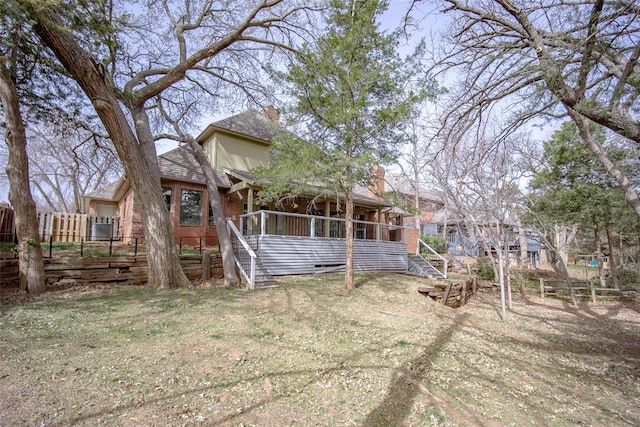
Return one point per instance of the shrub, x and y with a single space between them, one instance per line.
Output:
485 269
437 243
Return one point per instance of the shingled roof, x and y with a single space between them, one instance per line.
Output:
180 164
253 123
106 192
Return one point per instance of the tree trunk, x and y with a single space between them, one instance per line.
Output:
596 235
349 283
523 258
228 264
562 266
507 265
31 266
613 265
163 262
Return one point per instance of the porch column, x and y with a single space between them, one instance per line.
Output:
327 214
251 219
263 223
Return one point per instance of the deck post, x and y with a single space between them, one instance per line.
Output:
250 220
263 223
327 213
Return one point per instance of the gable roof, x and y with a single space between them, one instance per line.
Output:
253 123
106 192
181 165
401 184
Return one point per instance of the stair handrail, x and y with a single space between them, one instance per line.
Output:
251 276
433 251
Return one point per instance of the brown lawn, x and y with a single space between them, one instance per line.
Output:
309 354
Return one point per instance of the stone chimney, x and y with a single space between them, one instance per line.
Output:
376 183
273 113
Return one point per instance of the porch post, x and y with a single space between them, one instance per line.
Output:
327 214
251 219
263 223
378 230
312 229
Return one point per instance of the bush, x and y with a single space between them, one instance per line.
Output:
485 269
437 243
628 275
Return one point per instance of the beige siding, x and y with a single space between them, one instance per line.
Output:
235 153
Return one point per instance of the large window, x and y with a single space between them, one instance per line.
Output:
190 207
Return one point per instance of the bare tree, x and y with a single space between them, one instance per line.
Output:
548 58
68 161
160 50
226 249
481 181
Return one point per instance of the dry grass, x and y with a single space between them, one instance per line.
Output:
308 354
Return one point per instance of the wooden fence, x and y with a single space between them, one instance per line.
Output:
111 269
582 288
69 227
62 226
7 225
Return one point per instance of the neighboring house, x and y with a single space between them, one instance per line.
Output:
401 191
235 146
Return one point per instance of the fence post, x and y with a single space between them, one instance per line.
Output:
541 288
110 246
81 247
50 244
135 248
180 247
200 248
206 266
593 291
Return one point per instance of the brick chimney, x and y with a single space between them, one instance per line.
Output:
273 113
376 182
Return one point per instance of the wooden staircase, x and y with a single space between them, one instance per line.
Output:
420 266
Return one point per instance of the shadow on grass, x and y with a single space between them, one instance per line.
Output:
405 385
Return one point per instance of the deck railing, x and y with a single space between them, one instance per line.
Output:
436 260
291 224
245 257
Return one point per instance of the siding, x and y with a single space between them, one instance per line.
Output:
283 255
236 153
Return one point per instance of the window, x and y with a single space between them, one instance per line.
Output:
212 220
166 195
190 207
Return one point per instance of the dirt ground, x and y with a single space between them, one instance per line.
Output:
308 353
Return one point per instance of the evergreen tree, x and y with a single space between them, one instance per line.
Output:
351 95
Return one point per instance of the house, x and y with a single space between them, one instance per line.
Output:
235 146
402 191
299 236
